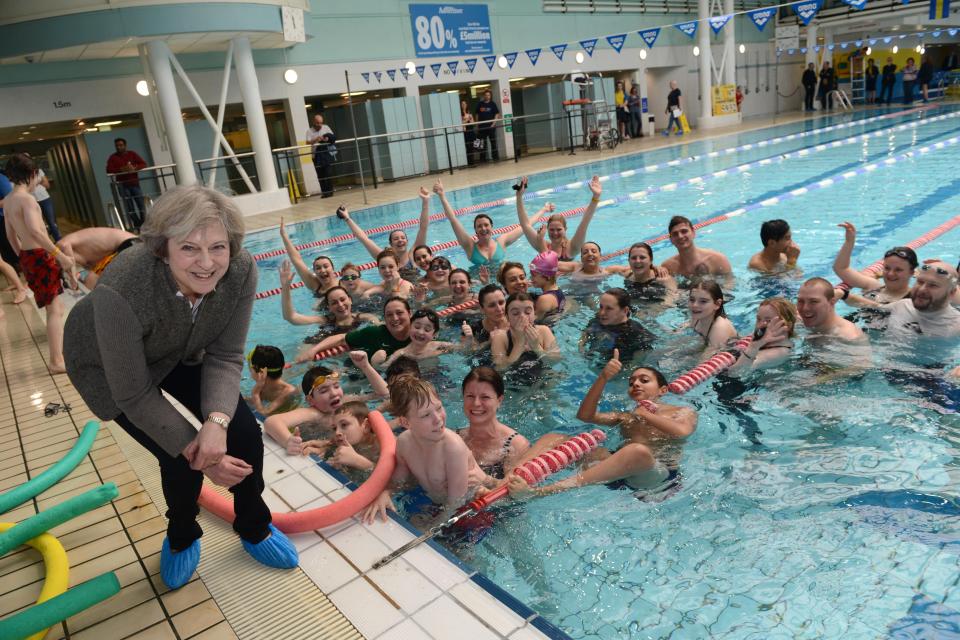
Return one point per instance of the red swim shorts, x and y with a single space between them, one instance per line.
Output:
42 273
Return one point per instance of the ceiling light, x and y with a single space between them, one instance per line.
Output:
81 123
918 48
696 50
353 93
33 126
453 91
579 57
26 133
502 62
142 88
92 129
108 124
480 86
869 50
643 54
411 68
290 76
517 79
743 48
895 49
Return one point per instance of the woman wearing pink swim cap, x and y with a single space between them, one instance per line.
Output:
543 274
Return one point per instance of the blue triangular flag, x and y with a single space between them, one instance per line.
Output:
420 71
858 43
935 34
689 28
952 32
872 41
843 45
471 64
377 75
436 69
817 49
803 49
490 60
831 46
807 10
617 41
534 55
452 65
589 45
717 22
649 36
856 4
888 40
558 50
511 58
366 77
760 17
392 73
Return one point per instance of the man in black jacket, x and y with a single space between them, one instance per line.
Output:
887 79
809 82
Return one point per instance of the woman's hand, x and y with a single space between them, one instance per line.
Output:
379 507
596 187
776 332
851 232
549 207
484 274
518 487
209 446
286 274
360 359
294 444
438 188
532 336
613 367
283 229
466 333
659 272
424 194
259 379
420 292
522 184
228 472
318 447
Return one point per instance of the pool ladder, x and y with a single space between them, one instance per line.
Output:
841 98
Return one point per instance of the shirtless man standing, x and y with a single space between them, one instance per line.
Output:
816 306
94 248
691 261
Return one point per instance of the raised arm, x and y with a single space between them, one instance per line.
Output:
286 300
362 362
424 217
306 273
508 238
359 233
327 343
580 236
464 238
588 406
525 226
841 265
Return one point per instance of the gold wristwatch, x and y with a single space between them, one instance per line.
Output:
223 422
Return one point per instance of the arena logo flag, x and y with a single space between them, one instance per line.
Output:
511 58
649 36
420 71
558 50
689 28
856 4
471 64
589 45
952 32
377 75
717 22
939 9
392 74
534 55
617 41
761 17
452 65
806 11
366 77
490 60
436 69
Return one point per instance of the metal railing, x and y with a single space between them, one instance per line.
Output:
132 199
235 174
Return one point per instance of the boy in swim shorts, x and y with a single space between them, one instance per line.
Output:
94 248
41 261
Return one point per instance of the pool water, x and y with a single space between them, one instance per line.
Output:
806 508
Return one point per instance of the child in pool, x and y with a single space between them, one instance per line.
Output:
321 389
424 325
353 441
271 393
429 452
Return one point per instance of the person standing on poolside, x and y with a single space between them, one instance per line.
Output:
888 78
690 260
126 164
674 109
171 314
871 74
321 138
487 115
809 82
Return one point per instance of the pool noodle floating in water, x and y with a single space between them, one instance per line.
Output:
300 521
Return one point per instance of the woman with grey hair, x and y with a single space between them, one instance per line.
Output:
171 314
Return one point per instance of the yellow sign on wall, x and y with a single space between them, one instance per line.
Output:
724 99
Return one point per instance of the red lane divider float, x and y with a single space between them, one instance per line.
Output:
346 507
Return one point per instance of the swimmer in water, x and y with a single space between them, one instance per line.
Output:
648 429
522 340
780 252
495 445
543 273
691 260
612 329
392 285
493 307
556 227
643 280
435 281
772 337
816 306
321 277
899 264
337 301
424 326
513 278
708 319
589 267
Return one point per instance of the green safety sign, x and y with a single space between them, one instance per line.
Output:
508 123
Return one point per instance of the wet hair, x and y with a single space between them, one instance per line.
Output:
123 140
463 271
507 266
676 221
661 379
423 246
518 297
484 374
824 285
596 244
20 168
387 253
405 302
641 245
773 230
785 309
556 217
268 357
487 290
622 297
326 294
430 315
716 294
408 392
390 237
402 366
907 251
355 408
327 258
440 259
315 372
349 266
482 215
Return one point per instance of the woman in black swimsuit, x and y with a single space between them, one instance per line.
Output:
614 329
321 277
772 337
495 446
523 342
556 229
341 318
493 306
640 278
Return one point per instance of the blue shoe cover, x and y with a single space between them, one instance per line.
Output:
176 567
274 551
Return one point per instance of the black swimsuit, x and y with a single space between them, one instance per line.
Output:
496 470
650 291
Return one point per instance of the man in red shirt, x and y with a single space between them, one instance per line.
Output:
126 163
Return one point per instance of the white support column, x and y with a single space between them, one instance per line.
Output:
827 42
811 55
729 46
500 88
705 60
253 107
298 121
170 111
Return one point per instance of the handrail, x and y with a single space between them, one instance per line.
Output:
151 168
246 154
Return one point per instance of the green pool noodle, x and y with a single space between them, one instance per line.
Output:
55 516
35 486
46 614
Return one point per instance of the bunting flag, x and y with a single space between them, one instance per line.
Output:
366 77
589 45
717 22
689 28
490 60
511 58
471 64
803 49
952 32
649 36
830 47
377 75
807 10
872 41
935 34
534 55
392 74
856 4
452 65
617 41
436 69
760 17
858 43
816 49
558 50
887 40
939 9
420 71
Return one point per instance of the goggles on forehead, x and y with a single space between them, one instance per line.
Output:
319 380
268 369
439 265
940 271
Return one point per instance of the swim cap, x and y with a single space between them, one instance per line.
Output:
545 264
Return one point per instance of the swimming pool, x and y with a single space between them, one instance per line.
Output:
805 510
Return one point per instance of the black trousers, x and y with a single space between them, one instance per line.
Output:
908 91
323 175
490 136
181 484
886 89
810 91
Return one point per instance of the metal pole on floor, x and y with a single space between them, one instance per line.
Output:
356 143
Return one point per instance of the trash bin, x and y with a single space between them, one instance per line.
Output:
651 129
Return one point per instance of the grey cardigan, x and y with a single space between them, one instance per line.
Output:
132 330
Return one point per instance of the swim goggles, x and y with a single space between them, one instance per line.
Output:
940 271
350 278
319 380
439 265
268 369
902 254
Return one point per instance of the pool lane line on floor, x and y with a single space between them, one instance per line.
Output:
435 217
767 201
